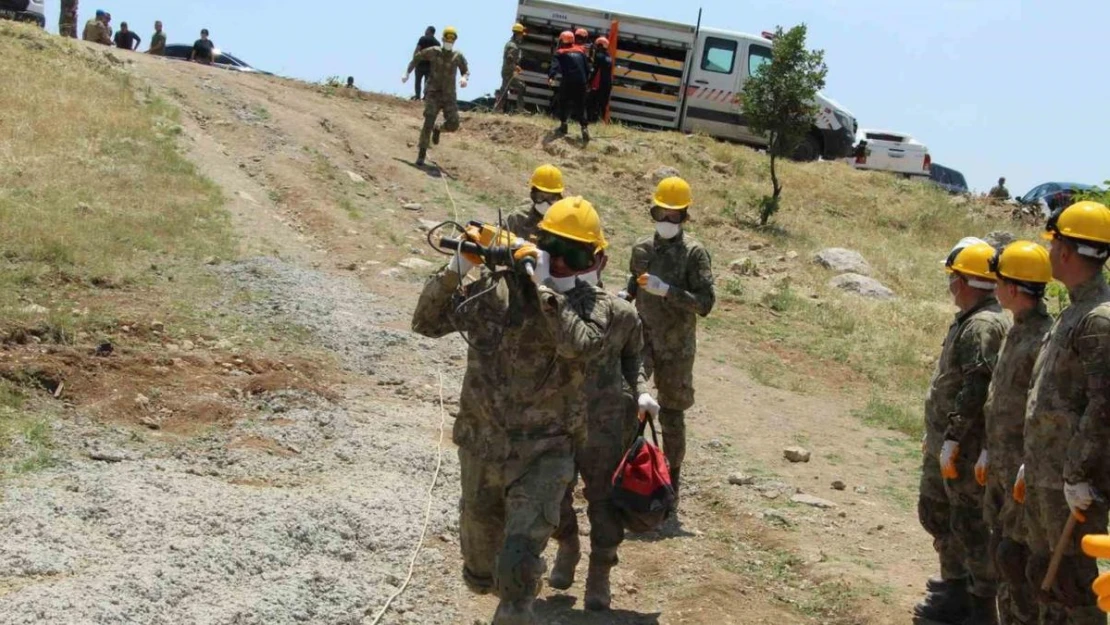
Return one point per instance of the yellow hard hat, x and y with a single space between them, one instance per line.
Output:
450 32
548 178
972 261
1022 261
1083 221
518 27
576 219
673 194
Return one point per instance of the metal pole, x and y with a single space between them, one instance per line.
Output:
689 71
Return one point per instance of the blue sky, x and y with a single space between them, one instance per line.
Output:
993 87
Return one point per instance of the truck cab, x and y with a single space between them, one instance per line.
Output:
723 62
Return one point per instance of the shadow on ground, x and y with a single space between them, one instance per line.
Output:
560 610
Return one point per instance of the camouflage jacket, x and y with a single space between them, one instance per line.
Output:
618 368
157 43
670 323
524 223
1009 391
527 364
443 64
1067 421
511 59
97 32
958 390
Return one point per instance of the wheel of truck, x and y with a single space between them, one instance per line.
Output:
808 150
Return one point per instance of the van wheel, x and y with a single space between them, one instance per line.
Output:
808 150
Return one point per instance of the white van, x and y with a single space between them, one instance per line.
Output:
672 76
897 152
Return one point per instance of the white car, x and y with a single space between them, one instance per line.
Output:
896 152
24 11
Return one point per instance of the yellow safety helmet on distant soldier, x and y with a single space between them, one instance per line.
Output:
518 27
1083 221
972 261
576 219
450 31
1023 262
673 194
548 178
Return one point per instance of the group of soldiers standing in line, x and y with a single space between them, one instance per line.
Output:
585 75
1018 429
556 377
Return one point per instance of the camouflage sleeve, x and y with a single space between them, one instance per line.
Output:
976 352
638 264
1087 448
699 277
436 313
576 336
421 55
464 67
632 354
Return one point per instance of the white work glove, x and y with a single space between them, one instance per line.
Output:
654 285
542 273
624 295
648 405
948 453
460 265
981 468
1019 485
404 78
463 83
1079 496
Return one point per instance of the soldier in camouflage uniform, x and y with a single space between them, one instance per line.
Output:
510 68
1067 430
547 189
67 19
672 284
521 407
1023 271
440 92
97 31
950 499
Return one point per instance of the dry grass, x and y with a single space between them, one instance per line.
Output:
94 197
904 228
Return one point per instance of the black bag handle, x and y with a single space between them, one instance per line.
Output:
644 424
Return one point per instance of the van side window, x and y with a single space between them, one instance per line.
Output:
719 56
758 56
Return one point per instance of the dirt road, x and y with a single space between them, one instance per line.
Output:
309 512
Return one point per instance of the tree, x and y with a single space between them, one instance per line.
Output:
780 101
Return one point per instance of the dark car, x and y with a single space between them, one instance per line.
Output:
1052 196
224 60
948 179
24 11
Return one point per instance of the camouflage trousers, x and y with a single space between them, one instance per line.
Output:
434 104
511 83
507 513
607 438
1070 601
951 511
673 375
1008 552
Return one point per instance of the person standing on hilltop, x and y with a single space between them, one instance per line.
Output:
96 30
424 68
204 50
127 40
157 41
440 95
999 191
1023 271
67 19
950 502
672 285
601 81
510 72
573 68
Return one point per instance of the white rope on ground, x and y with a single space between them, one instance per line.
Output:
427 509
443 177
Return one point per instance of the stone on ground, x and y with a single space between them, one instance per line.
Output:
841 260
862 286
796 454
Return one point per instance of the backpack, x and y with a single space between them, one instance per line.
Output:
642 488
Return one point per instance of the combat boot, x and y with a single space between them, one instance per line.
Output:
936 584
598 596
421 156
435 135
951 605
561 130
984 611
514 613
674 484
562 573
585 135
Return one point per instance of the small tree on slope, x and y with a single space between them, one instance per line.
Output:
779 101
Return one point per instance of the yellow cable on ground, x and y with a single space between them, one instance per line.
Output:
427 509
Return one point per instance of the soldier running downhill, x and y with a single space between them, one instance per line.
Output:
672 284
510 73
950 504
440 93
521 409
1067 429
1023 271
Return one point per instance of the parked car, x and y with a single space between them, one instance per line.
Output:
224 60
1052 195
948 179
24 11
896 152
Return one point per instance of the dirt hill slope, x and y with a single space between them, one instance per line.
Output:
259 443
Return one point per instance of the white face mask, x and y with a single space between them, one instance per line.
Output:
449 45
667 230
562 285
541 207
591 278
